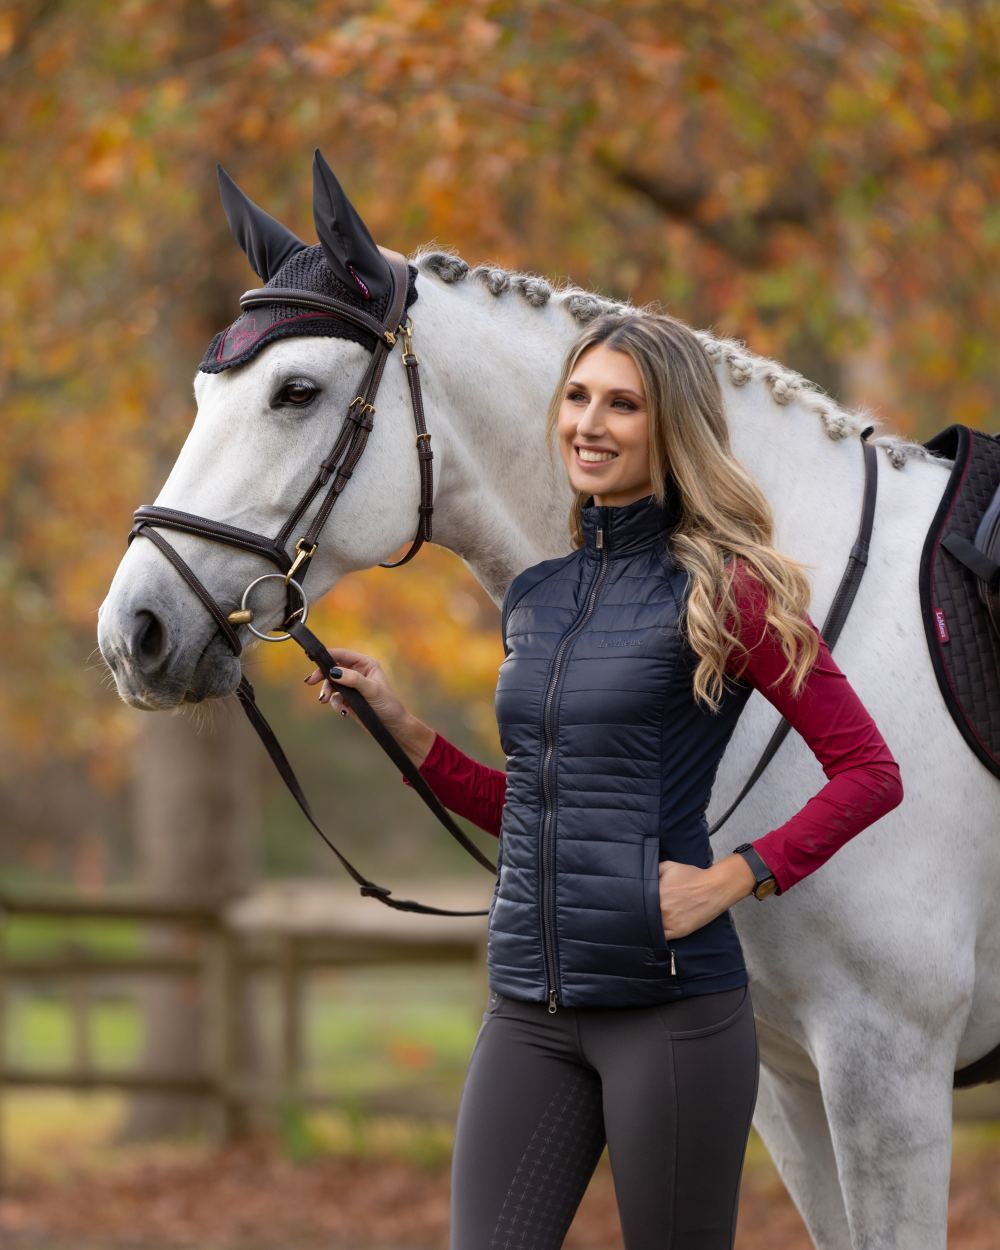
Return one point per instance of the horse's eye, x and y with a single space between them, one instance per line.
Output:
297 393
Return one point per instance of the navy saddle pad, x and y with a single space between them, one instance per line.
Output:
960 587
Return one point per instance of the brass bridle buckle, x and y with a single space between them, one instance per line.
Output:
406 330
302 555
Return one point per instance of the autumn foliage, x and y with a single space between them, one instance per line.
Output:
821 180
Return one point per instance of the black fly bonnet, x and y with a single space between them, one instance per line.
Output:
306 270
336 268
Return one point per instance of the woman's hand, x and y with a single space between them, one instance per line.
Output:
365 674
690 896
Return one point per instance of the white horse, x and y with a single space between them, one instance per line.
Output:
875 978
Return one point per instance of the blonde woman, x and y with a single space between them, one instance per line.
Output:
619 1012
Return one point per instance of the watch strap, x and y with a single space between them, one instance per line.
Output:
761 871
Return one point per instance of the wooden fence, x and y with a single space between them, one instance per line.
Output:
287 932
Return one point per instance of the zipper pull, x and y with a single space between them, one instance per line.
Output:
673 963
552 1002
600 537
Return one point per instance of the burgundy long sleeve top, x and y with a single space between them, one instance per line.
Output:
863 778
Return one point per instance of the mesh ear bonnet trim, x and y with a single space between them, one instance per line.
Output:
306 270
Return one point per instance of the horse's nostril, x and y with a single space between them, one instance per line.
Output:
149 641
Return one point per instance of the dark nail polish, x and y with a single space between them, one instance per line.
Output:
336 672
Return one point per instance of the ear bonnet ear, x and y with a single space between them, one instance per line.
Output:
346 264
349 249
267 243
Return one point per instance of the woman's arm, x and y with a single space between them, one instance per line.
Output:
464 785
864 781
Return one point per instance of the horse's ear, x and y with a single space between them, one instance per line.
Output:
350 250
267 243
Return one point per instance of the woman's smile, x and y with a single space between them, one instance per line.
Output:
592 458
604 428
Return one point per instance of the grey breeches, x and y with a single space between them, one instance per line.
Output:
670 1089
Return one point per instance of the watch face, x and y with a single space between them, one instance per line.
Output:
766 887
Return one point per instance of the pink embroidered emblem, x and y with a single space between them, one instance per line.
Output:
354 274
243 337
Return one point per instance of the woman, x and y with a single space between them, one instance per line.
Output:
619 1011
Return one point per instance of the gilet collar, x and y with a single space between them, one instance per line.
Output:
628 527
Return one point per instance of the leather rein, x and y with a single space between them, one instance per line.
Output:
333 473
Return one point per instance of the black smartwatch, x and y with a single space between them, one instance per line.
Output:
765 882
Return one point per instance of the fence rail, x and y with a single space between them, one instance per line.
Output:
287 932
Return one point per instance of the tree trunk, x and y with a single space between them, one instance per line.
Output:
196 805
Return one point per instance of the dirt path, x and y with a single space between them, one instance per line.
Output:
254 1199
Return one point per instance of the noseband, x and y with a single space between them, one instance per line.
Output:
332 474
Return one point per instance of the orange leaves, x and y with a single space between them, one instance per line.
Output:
8 32
801 178
106 163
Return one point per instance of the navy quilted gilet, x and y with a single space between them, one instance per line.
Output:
610 765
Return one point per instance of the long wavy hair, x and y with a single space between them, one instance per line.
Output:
723 512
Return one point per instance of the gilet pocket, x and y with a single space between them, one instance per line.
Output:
651 898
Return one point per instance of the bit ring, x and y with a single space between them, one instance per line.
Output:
276 577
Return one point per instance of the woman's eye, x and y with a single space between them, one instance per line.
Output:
572 395
297 393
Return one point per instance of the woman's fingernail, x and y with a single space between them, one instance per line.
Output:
336 672
343 711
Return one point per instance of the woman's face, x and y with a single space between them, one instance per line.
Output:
603 410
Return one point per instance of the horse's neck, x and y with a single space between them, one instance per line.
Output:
489 365
502 503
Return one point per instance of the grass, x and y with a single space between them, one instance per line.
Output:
370 1031
26 936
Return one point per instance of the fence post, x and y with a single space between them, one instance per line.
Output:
224 962
291 1017
79 1004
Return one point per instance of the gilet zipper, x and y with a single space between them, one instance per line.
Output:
547 883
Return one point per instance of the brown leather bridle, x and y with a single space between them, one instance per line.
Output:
333 473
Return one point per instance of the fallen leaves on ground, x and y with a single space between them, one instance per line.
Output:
253 1198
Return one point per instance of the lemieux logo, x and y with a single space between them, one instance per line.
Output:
620 642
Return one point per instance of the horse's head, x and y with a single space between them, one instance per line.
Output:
272 393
